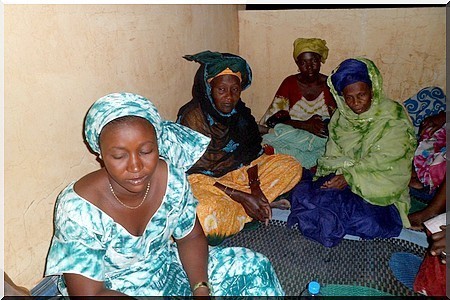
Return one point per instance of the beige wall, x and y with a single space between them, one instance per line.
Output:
61 58
407 45
58 60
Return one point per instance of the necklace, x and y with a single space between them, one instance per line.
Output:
127 206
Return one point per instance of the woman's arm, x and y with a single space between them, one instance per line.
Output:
314 125
437 247
254 184
193 251
336 182
255 204
78 285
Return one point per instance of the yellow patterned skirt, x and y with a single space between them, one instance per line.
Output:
221 216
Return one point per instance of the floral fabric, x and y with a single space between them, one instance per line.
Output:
430 159
220 215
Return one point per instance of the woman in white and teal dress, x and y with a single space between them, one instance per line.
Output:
130 228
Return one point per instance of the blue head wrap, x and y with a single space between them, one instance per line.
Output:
180 145
350 71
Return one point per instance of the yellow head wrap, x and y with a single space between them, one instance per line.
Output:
311 45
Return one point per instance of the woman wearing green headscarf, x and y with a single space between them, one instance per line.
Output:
361 185
234 180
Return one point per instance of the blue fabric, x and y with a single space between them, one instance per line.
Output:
422 194
326 215
405 267
47 287
350 71
301 144
427 102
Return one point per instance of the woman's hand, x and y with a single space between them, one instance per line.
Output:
438 244
315 125
255 205
281 116
258 205
337 182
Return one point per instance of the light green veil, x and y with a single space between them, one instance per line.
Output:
373 150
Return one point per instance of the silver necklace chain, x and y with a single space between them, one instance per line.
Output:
127 206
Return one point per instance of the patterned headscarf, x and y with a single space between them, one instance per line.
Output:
242 129
311 45
212 64
178 144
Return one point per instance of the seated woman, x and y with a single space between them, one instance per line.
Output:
428 181
302 106
130 228
361 185
430 165
233 180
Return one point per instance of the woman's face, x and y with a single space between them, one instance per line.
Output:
358 96
226 92
130 153
309 64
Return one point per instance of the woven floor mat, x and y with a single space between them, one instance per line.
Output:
298 260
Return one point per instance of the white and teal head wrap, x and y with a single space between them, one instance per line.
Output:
180 145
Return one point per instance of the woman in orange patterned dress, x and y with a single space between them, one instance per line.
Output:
233 180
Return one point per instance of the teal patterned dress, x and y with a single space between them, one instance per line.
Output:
87 241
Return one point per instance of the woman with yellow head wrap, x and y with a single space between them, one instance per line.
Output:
361 184
317 46
302 106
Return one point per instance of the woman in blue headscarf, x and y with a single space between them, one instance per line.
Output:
361 185
233 180
130 228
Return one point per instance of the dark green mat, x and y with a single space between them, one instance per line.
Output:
298 260
350 290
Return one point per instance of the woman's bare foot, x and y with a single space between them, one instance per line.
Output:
283 204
